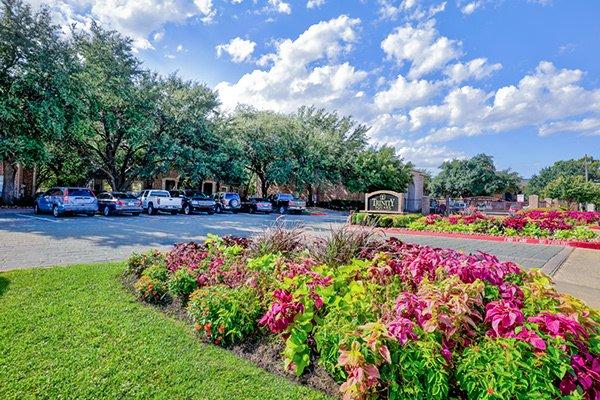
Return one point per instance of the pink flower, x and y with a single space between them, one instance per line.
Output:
559 325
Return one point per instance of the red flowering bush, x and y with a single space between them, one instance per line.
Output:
398 321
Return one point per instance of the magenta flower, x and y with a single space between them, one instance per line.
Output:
559 325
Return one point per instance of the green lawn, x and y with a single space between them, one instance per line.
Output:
76 333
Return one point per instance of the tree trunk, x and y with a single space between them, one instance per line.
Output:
8 188
264 188
310 201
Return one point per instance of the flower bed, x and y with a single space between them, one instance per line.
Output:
559 225
387 319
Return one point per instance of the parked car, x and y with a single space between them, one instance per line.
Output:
66 200
227 201
119 203
256 205
154 201
194 201
285 202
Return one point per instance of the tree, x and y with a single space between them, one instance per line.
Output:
476 176
573 167
380 169
37 101
324 148
574 189
263 139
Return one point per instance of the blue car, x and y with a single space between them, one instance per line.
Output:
66 200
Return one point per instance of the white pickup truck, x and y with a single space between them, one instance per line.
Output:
154 201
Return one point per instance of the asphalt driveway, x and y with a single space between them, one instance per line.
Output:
28 240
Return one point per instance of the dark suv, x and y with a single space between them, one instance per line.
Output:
285 202
227 201
194 201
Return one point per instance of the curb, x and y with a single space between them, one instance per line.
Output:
492 238
552 266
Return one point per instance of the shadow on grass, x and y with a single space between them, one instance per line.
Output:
3 285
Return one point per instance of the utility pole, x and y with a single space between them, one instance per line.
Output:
585 165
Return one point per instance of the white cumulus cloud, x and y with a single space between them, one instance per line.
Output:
303 71
239 49
422 47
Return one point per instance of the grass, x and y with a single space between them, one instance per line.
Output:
76 333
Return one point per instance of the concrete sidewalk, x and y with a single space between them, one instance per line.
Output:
579 275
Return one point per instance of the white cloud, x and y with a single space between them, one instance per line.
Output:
549 99
586 126
303 71
477 68
314 3
179 48
422 47
239 49
281 6
470 7
137 19
403 93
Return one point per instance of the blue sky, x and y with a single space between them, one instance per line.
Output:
517 79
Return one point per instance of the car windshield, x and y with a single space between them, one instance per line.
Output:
231 195
200 196
160 194
284 196
80 192
123 196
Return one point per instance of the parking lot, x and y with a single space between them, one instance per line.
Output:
28 240
41 240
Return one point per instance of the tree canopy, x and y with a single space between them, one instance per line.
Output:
476 176
537 184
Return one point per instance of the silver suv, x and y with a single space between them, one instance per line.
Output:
227 201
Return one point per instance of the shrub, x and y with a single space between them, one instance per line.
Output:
224 315
402 221
152 285
137 263
182 283
399 321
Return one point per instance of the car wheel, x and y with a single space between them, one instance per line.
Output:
219 210
55 212
187 210
211 212
174 212
106 211
36 209
91 214
151 209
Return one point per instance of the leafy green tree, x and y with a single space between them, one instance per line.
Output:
574 189
263 138
38 101
324 148
476 176
380 169
185 130
572 167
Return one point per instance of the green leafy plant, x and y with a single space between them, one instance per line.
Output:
225 315
182 283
